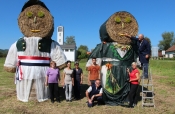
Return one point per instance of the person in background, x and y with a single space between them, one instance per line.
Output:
94 93
78 79
52 79
134 80
144 52
94 72
68 81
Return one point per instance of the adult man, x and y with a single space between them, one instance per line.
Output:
94 93
144 52
94 72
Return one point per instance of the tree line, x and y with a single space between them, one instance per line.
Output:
168 40
3 52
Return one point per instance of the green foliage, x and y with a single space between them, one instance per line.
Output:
82 55
82 52
70 40
117 19
84 61
3 53
83 47
41 14
148 39
167 41
29 14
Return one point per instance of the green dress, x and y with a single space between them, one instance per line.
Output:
116 86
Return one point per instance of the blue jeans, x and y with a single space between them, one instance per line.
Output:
68 91
145 70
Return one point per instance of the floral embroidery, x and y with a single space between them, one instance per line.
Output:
123 47
116 54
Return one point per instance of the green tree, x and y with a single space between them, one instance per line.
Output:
1 54
5 54
83 47
70 40
82 52
168 40
148 39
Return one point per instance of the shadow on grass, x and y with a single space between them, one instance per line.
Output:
84 87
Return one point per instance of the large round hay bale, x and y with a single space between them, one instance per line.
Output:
118 24
36 21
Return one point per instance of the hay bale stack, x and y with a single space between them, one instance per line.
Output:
36 21
119 23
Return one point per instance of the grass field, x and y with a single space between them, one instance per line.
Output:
164 86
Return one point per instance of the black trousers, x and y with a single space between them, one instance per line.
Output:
77 89
54 91
98 99
132 94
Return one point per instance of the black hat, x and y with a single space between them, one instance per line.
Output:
33 2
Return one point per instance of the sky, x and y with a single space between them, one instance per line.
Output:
83 18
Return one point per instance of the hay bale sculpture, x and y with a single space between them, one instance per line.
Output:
115 54
30 56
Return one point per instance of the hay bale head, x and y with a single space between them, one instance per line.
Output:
36 20
118 24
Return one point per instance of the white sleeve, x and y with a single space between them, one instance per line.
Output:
89 89
101 90
11 59
57 54
89 63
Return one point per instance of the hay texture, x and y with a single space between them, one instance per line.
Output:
120 23
62 66
36 21
10 69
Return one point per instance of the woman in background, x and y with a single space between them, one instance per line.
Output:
134 80
52 79
68 81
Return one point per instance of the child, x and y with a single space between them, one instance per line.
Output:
52 79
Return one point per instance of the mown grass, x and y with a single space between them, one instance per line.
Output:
165 68
6 81
163 74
